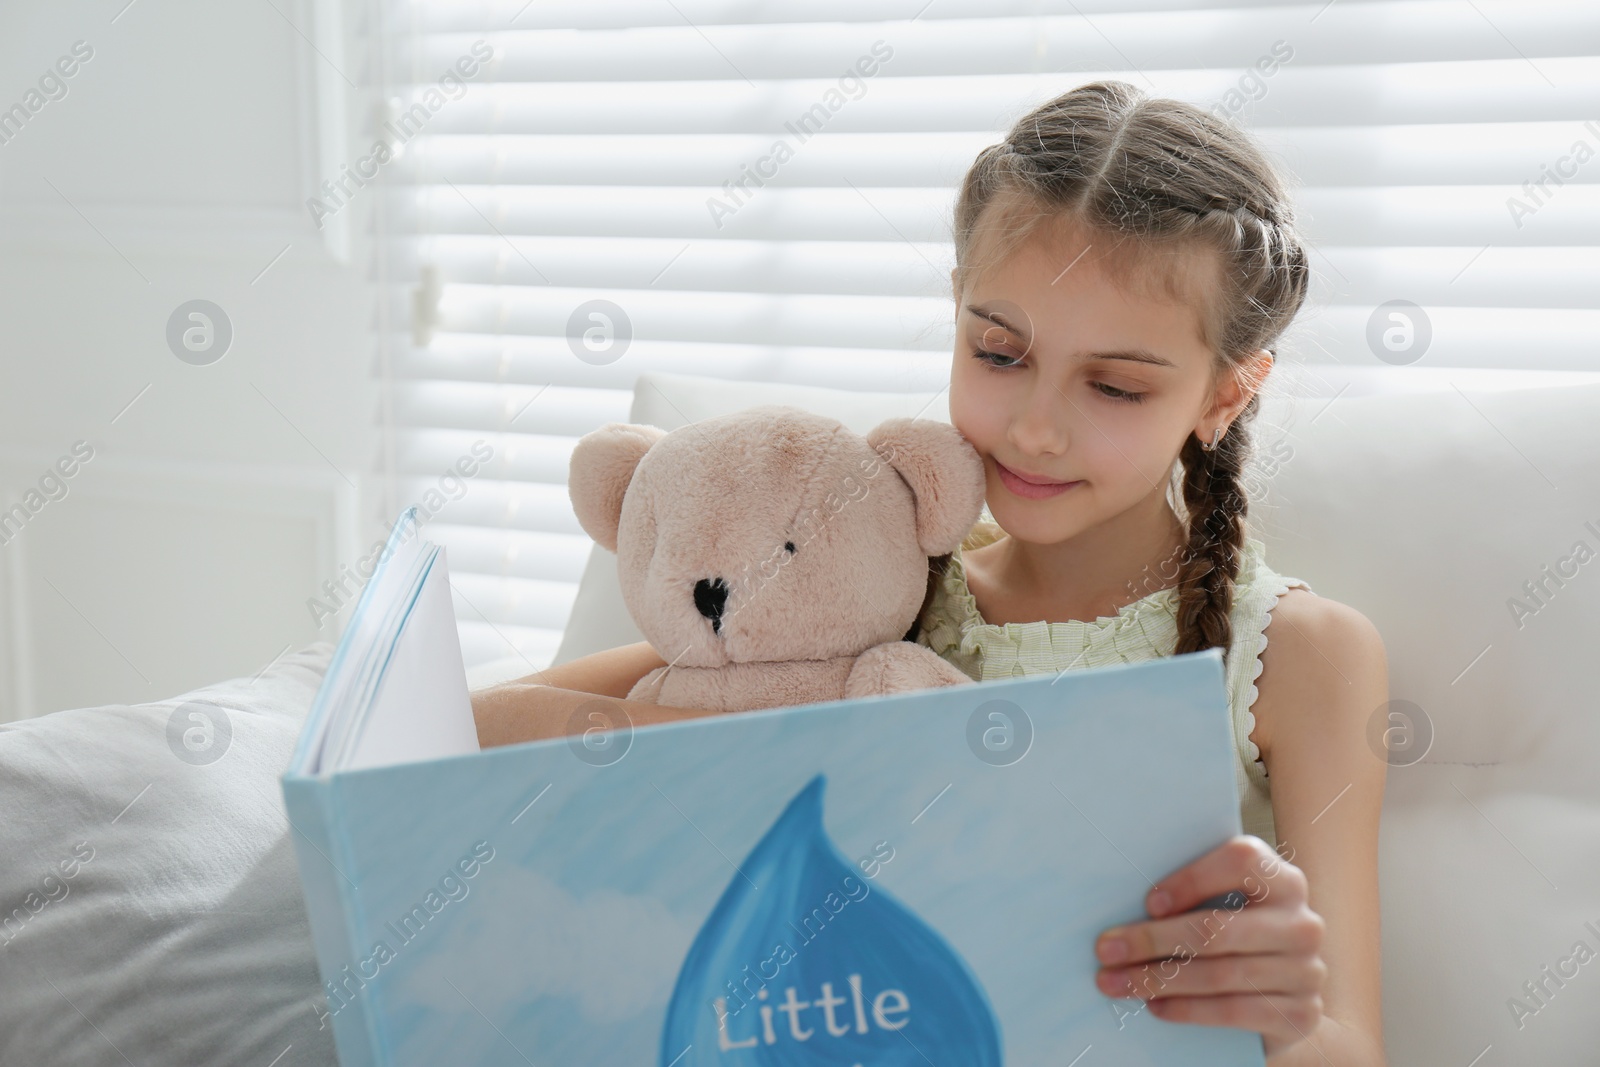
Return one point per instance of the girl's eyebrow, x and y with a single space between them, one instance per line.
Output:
1137 355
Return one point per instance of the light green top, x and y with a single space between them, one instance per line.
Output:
952 627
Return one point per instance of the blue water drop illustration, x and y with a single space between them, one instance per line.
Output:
805 961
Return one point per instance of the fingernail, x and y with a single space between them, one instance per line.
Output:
1113 950
1160 902
1116 982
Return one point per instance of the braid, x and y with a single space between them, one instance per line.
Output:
1216 506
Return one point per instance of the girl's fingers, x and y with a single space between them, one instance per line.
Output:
1287 1017
1220 932
1244 863
1258 967
1293 975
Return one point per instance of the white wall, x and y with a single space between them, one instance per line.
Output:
176 167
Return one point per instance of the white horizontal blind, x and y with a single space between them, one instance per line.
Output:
588 161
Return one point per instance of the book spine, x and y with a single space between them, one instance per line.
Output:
325 874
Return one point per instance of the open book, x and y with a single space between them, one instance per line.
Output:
902 880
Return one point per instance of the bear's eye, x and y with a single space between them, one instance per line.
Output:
790 546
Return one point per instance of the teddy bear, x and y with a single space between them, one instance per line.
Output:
771 556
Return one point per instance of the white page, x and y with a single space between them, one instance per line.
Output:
421 709
349 675
379 639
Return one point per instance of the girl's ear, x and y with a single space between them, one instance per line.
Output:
602 466
945 474
1238 384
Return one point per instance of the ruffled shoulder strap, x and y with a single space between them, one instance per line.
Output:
1255 594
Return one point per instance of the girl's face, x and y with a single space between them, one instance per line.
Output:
1061 376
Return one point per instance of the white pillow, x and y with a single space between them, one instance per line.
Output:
150 903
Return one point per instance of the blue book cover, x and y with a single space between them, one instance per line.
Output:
905 880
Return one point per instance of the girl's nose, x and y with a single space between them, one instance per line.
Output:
1039 429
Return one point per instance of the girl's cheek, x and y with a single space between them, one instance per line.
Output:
975 407
1118 450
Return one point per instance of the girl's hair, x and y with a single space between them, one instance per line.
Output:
1151 179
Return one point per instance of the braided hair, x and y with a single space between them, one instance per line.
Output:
1151 178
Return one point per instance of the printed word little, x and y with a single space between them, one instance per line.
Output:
889 1002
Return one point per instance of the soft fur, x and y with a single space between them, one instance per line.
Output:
716 502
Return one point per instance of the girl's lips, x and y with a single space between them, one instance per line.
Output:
1030 490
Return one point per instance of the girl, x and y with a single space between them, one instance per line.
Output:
1122 265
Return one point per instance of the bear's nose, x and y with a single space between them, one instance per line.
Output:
709 598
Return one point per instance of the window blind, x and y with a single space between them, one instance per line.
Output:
1443 154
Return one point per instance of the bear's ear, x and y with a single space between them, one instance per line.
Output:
945 474
603 462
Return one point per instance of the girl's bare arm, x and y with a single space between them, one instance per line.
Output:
546 704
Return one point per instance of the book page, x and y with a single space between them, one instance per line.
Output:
421 709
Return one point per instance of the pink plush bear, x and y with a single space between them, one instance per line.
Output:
771 556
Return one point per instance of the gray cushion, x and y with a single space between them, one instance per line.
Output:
150 906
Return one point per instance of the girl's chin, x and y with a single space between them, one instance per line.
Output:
1038 521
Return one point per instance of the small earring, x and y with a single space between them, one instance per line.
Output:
1215 437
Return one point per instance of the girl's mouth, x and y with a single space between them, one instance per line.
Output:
1030 490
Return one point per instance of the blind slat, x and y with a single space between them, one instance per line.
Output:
1438 154
726 279
1404 94
1469 215
537 361
1129 43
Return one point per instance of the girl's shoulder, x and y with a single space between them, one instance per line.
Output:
1325 663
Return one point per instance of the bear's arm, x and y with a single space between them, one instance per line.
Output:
898 667
745 686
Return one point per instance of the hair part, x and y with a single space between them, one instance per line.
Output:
1151 182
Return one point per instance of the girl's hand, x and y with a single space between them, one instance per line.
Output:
1256 968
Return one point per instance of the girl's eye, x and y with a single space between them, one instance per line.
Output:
1114 393
990 357
1111 392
